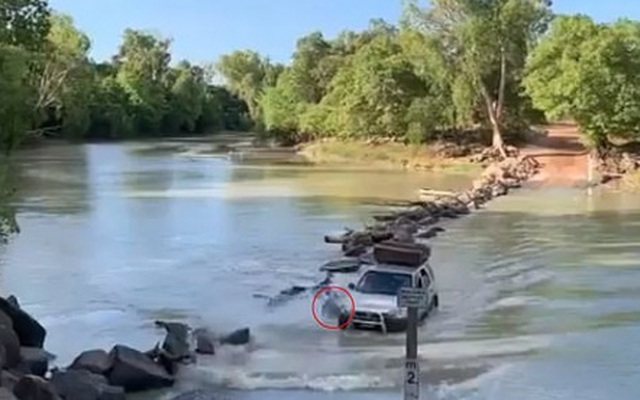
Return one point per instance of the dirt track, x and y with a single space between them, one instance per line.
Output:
563 157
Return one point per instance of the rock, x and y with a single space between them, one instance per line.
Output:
9 380
95 361
448 213
498 190
6 320
11 344
13 300
430 233
36 360
403 236
35 388
84 385
134 371
169 364
176 342
237 338
292 291
354 250
153 353
338 239
164 359
196 395
6 394
204 341
29 331
428 221
381 236
511 183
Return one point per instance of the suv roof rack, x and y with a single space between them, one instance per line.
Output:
403 254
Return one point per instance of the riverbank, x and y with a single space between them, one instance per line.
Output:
390 155
562 156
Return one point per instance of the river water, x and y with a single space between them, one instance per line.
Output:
539 292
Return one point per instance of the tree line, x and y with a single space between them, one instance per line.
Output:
49 85
446 67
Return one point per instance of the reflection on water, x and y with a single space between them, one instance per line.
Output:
539 284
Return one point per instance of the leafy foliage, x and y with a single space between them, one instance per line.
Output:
588 72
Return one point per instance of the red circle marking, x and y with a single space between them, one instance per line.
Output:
352 313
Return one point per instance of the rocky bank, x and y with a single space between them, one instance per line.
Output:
96 374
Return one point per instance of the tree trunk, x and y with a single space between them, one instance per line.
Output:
497 142
496 139
502 85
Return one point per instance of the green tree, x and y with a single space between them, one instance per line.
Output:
187 90
60 77
15 96
371 94
245 72
485 44
24 23
23 28
111 111
588 72
143 64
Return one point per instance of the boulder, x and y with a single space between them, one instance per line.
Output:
96 361
6 394
498 190
35 360
237 338
381 236
8 379
84 385
32 387
6 320
29 331
135 371
176 342
431 232
11 345
204 341
162 358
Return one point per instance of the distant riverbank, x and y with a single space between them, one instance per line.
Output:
385 155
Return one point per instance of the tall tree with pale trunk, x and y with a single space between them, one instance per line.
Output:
485 43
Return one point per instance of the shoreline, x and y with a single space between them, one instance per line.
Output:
386 154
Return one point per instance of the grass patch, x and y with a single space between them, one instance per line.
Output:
388 155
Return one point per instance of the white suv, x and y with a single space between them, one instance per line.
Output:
376 292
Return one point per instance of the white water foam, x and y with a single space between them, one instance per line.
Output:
513 302
357 368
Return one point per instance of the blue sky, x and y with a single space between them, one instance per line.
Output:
202 30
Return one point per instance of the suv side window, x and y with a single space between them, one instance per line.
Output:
419 282
425 277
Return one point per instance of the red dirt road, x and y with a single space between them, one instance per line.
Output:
564 159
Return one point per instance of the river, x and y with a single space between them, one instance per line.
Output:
539 292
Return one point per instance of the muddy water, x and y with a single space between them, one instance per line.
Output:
540 292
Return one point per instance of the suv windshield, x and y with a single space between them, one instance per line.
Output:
387 283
